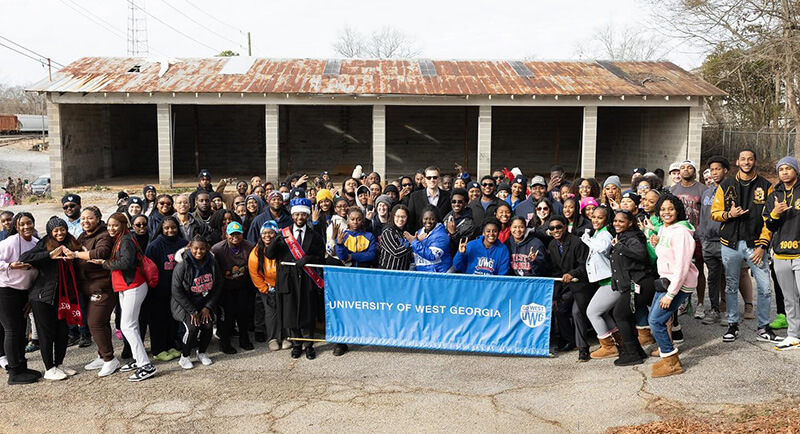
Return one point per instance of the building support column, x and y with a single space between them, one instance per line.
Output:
484 141
272 144
106 147
379 140
55 148
165 145
694 134
589 142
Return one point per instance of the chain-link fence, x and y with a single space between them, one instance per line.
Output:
769 145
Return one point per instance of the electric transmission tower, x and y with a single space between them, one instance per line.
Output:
137 29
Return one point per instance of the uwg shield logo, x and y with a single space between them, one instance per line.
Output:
533 315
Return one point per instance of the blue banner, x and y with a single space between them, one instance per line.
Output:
493 314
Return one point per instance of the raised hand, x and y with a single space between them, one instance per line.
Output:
533 254
780 207
736 211
462 246
451 227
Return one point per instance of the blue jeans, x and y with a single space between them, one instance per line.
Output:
659 317
732 261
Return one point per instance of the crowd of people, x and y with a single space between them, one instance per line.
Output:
213 262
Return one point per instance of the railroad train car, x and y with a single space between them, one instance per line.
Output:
9 124
32 123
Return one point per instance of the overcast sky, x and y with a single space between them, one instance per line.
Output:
467 29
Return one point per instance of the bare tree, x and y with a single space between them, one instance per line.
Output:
385 43
622 43
14 100
763 30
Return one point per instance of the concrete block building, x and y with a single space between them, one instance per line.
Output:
241 116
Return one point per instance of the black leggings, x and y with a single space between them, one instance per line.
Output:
163 326
237 309
53 333
12 305
624 316
190 338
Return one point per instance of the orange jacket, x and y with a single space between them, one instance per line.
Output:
263 284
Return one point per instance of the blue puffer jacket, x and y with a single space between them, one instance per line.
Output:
433 253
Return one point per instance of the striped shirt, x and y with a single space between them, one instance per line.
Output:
394 251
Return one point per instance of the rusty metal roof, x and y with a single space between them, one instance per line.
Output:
377 77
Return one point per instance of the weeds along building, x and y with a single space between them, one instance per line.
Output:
159 118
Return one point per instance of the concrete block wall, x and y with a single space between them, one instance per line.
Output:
231 139
421 136
527 137
332 138
640 137
133 143
85 132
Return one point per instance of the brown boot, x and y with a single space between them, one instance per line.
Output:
606 350
617 340
646 337
671 366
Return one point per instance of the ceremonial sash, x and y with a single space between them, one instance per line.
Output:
297 253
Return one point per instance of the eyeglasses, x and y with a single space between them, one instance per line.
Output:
165 203
643 187
542 208
488 184
556 227
456 202
140 225
432 178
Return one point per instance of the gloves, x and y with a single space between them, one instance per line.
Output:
302 261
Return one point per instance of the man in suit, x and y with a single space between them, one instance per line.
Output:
487 203
430 195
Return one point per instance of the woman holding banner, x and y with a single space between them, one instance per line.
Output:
485 255
431 244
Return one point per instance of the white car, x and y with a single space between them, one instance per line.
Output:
41 186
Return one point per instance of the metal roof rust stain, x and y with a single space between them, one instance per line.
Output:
378 77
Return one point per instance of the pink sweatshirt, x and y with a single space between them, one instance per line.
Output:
10 250
675 250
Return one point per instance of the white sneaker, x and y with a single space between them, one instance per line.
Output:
109 367
3 362
204 359
699 312
68 371
94 364
54 374
185 363
788 343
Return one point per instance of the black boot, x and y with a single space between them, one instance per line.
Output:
642 353
629 355
21 375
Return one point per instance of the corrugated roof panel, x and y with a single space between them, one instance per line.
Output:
379 77
332 67
520 68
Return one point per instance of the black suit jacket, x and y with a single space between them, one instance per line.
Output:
572 261
417 202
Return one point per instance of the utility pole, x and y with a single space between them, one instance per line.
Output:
49 70
137 29
249 47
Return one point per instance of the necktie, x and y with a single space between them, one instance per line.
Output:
300 237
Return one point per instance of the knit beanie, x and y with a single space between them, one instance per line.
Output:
55 222
613 179
789 161
324 194
384 199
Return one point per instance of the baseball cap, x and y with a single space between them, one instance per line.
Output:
234 227
538 180
673 167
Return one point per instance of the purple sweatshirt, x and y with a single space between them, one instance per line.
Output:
10 250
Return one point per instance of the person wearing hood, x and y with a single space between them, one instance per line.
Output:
196 287
254 206
674 246
383 207
356 246
95 283
527 208
484 255
203 210
431 244
163 251
189 225
232 255
431 195
16 279
517 191
53 258
577 224
458 221
527 253
203 185
149 194
275 211
782 218
393 193
348 191
217 202
164 207
139 225
362 198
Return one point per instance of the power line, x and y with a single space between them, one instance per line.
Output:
239 44
28 49
24 54
173 28
213 17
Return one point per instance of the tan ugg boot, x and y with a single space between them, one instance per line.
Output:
617 340
606 350
646 337
671 366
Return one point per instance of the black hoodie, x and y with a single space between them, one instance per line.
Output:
465 228
162 252
520 263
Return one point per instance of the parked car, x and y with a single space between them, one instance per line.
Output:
41 186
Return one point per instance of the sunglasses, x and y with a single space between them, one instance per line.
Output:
165 203
70 205
140 225
542 208
432 177
456 202
488 184
556 227
408 185
498 177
